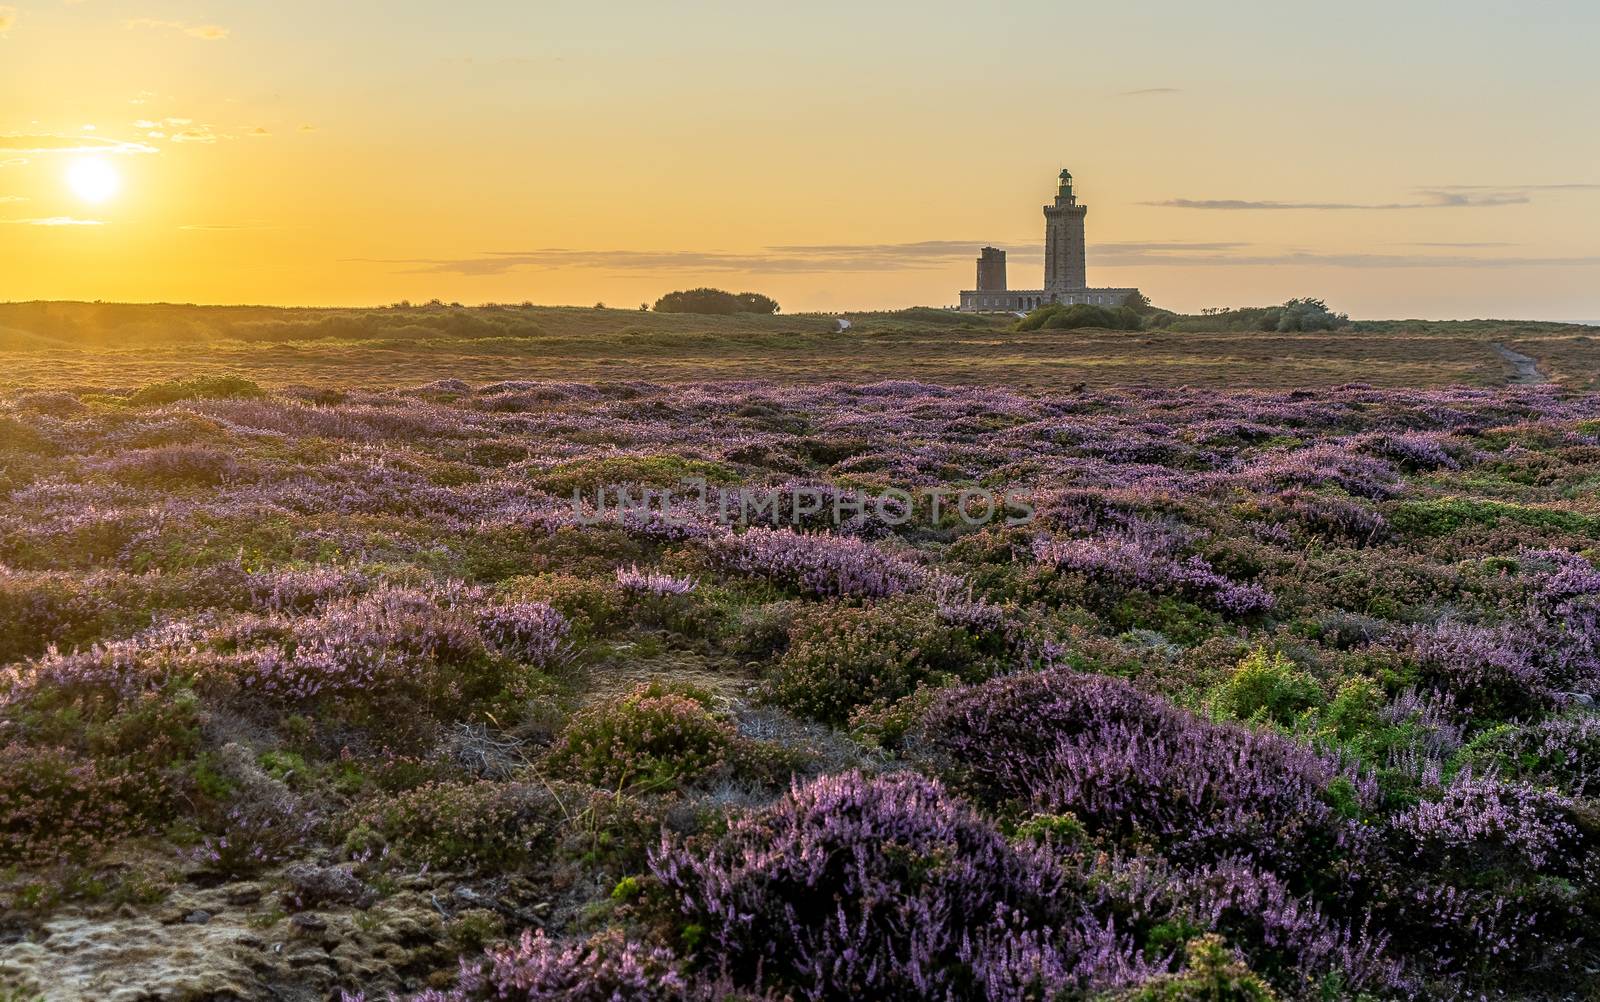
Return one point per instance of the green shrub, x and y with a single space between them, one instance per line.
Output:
843 657
1266 688
1442 516
587 476
656 738
199 388
716 302
1211 974
1062 317
479 825
591 605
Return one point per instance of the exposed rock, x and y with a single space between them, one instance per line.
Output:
236 952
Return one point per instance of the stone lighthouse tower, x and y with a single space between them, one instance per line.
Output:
1065 277
1063 240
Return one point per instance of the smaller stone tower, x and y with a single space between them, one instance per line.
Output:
991 270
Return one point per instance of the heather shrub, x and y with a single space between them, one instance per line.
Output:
1487 672
175 466
198 388
1489 869
816 564
1266 688
473 826
57 804
1146 560
394 658
255 834
887 887
1561 751
843 657
657 737
535 968
1131 767
37 610
531 632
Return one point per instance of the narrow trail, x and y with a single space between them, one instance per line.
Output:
1527 368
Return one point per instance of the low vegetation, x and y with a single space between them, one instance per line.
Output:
1277 695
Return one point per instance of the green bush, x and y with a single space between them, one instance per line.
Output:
716 302
479 825
843 657
656 738
1266 688
199 388
1062 317
1211 974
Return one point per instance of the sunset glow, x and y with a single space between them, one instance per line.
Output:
93 180
834 156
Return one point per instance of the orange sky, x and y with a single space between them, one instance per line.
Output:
1427 159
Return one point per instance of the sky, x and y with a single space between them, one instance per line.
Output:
1411 159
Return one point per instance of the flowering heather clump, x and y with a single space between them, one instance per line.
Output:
1137 560
257 835
532 632
1484 670
1319 465
1128 765
817 564
889 887
56 804
1414 450
605 968
652 583
1491 865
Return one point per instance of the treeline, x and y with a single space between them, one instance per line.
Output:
715 302
1136 313
1294 315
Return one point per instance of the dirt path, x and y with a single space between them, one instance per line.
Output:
1527 368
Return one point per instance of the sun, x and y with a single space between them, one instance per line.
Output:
93 179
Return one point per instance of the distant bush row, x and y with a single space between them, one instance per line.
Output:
1294 315
715 301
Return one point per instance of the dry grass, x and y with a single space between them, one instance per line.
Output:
116 346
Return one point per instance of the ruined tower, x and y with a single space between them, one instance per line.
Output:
991 270
1063 240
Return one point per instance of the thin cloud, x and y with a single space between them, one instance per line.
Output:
54 221
225 227
780 259
1460 243
1444 196
1150 91
196 134
8 199
1312 259
208 32
1578 186
8 19
56 143
1430 199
